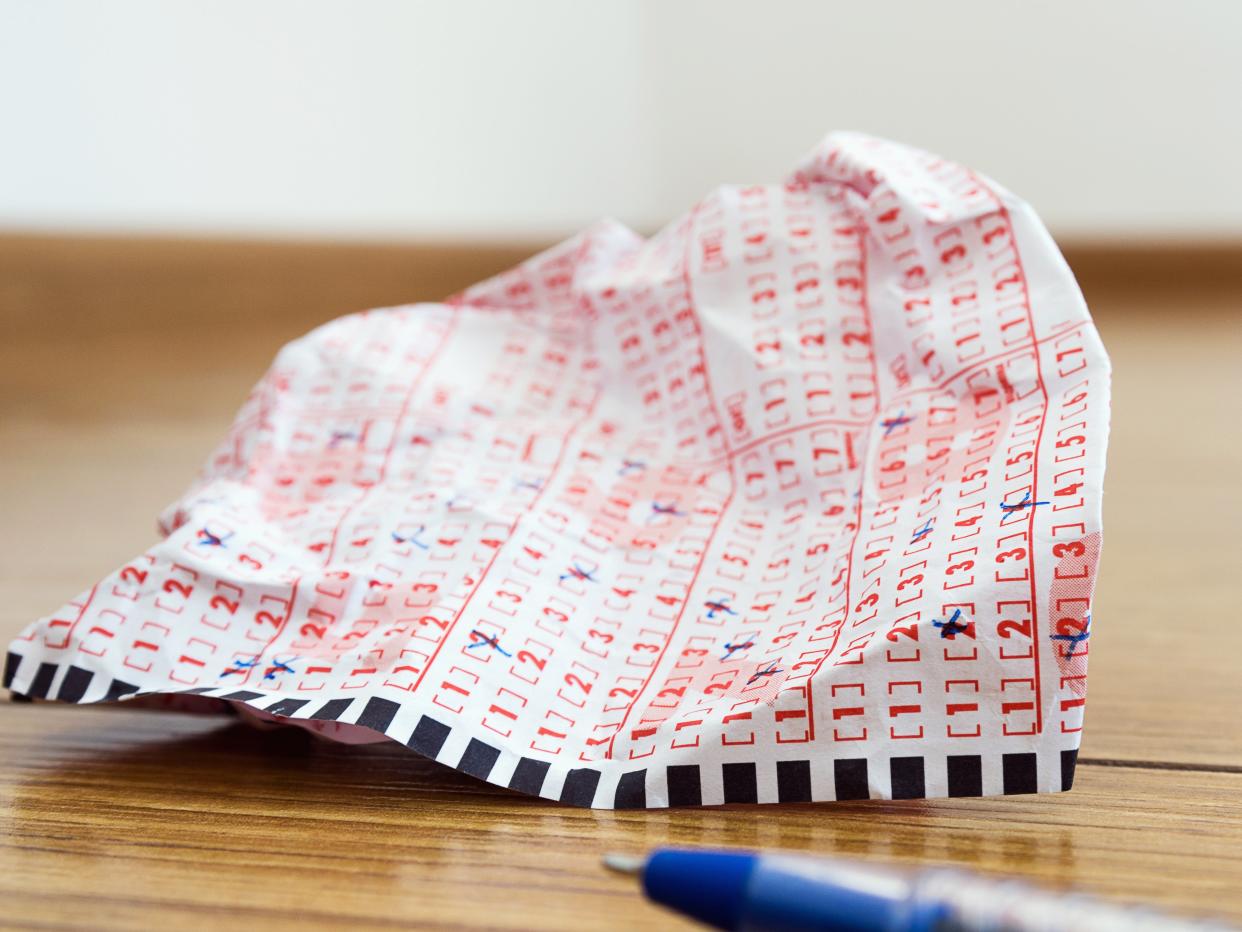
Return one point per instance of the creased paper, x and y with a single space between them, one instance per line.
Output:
797 500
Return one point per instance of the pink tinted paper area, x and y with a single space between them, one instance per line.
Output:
797 500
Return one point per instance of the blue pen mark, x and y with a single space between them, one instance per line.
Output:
278 666
1075 639
922 532
772 669
411 538
241 667
731 649
951 627
1025 503
629 466
718 605
535 485
340 435
671 509
208 539
894 422
577 572
492 642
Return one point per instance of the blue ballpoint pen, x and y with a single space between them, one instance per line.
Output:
783 893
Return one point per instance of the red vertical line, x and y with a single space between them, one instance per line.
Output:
512 532
1039 437
866 306
392 441
863 459
547 484
724 439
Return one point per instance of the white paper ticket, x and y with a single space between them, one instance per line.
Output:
797 500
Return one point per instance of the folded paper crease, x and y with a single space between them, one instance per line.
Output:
797 500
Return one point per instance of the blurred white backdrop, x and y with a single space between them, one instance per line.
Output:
370 118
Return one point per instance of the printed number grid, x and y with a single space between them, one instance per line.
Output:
797 500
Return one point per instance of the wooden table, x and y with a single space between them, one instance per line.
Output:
112 817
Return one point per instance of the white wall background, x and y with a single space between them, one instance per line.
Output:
495 119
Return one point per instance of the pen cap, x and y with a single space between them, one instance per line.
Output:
708 885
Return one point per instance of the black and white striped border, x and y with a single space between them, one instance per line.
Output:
782 781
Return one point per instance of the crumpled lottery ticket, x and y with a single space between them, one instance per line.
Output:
797 500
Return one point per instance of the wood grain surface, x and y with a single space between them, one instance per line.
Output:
124 818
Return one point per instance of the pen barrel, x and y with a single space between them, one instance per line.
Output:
785 893
973 904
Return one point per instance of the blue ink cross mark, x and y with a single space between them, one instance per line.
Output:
208 539
922 532
894 422
1076 639
718 605
628 466
411 538
772 669
731 649
241 667
339 435
952 627
577 572
278 666
671 509
1025 503
492 642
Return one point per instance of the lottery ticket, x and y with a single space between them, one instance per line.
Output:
797 500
